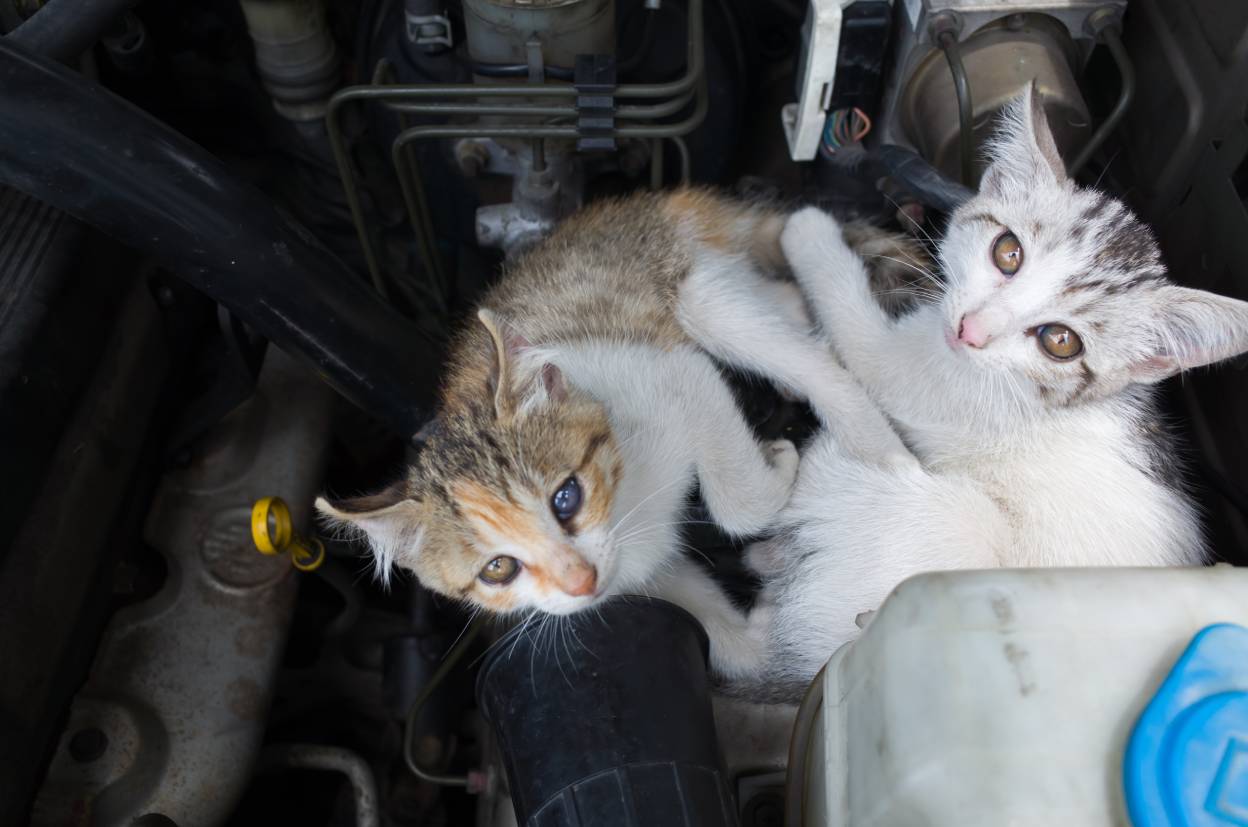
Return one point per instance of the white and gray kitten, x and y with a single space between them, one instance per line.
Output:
1023 399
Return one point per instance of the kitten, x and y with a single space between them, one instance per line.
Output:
1024 397
582 405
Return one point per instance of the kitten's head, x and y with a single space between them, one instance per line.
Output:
508 505
1063 288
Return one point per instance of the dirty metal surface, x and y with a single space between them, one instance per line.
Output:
171 719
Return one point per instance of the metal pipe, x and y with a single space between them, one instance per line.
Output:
63 29
330 759
680 86
77 146
1126 70
425 235
656 164
520 110
408 181
686 162
626 112
400 97
962 88
453 657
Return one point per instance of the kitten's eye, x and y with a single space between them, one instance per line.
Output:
1007 253
567 500
500 571
1059 342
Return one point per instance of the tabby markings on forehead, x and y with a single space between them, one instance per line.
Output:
595 442
1083 283
1086 378
985 218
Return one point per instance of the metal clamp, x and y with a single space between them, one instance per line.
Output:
429 30
595 82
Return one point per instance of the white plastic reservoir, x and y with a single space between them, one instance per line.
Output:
1003 697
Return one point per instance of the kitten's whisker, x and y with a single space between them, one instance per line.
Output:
923 271
619 523
642 529
926 236
475 611
637 433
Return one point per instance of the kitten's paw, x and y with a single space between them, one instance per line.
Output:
765 560
782 455
806 233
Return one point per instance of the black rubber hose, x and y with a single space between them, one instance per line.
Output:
63 29
961 88
80 148
1127 72
922 179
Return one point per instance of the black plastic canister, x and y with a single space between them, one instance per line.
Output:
607 721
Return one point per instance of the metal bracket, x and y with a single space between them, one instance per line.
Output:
429 30
803 121
595 82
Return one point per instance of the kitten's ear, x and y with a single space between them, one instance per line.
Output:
1193 328
518 380
392 522
1023 152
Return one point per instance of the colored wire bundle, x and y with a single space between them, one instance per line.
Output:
844 127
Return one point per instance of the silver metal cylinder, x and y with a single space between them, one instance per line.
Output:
498 31
1000 61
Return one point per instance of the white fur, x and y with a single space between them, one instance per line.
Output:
1000 480
1010 458
675 420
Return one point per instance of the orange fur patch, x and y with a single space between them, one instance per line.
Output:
709 217
496 599
493 518
597 508
571 580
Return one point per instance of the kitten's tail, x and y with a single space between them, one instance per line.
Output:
730 226
901 268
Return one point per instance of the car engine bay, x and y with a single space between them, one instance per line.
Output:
235 239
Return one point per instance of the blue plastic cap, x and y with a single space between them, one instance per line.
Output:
1187 759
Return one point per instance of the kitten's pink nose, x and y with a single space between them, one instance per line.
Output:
971 331
580 581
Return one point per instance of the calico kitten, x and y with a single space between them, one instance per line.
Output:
581 406
1024 397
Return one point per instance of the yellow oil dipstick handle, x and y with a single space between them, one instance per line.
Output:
273 532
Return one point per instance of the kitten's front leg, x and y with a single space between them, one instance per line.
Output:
727 309
838 287
738 649
744 483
